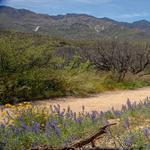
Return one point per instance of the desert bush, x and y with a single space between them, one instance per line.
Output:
27 68
38 67
119 57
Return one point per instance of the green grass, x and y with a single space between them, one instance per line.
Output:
91 82
129 84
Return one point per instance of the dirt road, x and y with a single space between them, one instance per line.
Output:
101 102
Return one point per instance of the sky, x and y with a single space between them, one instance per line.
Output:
120 10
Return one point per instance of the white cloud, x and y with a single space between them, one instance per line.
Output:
133 15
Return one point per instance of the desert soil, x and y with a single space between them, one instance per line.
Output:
100 102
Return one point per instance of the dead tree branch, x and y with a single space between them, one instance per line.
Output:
80 144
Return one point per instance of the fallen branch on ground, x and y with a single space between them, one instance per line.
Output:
90 140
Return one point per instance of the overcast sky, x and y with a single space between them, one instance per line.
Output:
121 10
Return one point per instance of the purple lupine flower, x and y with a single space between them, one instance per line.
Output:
51 109
146 132
101 114
5 120
8 114
64 110
68 109
128 141
17 131
67 115
79 120
113 109
126 123
35 127
54 122
129 104
140 104
20 118
24 126
83 109
145 103
57 109
71 113
93 116
88 115
74 115
58 106
56 129
148 103
61 114
47 129
2 126
124 108
134 105
12 128
117 113
148 145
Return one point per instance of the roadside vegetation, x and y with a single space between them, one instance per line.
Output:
24 126
36 67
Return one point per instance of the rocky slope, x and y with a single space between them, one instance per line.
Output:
74 26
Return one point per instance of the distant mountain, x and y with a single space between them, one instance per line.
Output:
143 25
74 26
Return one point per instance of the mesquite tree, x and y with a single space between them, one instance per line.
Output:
118 57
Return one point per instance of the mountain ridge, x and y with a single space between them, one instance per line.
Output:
71 25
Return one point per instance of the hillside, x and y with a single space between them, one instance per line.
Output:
72 26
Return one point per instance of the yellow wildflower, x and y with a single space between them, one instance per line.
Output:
3 113
28 103
59 126
42 125
19 104
11 122
8 105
